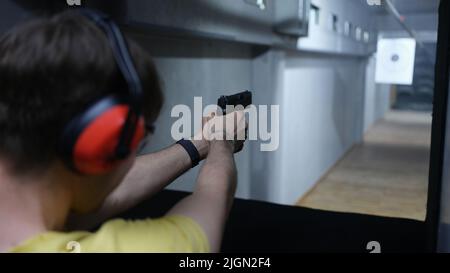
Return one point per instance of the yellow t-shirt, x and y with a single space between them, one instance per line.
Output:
167 234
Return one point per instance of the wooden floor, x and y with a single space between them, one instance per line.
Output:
386 175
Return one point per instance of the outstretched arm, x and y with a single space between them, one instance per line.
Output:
212 199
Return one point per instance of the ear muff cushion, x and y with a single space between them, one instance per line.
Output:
95 148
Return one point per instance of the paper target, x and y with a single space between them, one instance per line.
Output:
395 61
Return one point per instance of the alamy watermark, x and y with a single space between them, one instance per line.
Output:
373 2
73 2
374 247
73 247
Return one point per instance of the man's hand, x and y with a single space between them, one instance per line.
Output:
199 140
231 127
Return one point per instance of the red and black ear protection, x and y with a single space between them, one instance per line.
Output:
106 133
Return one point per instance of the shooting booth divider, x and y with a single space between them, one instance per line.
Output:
439 204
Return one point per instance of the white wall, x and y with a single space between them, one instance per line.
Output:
322 110
377 97
265 173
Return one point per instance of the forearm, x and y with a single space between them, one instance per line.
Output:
150 174
212 199
218 178
153 172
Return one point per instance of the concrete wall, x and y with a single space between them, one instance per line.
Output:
323 100
377 96
268 84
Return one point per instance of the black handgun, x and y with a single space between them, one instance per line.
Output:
243 98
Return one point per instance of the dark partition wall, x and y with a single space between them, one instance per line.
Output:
440 155
443 228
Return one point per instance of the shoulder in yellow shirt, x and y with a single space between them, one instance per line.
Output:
167 234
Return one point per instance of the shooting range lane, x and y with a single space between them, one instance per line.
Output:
386 175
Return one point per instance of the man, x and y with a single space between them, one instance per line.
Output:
51 69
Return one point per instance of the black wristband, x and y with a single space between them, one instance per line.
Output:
191 150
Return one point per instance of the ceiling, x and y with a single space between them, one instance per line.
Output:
406 7
416 6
